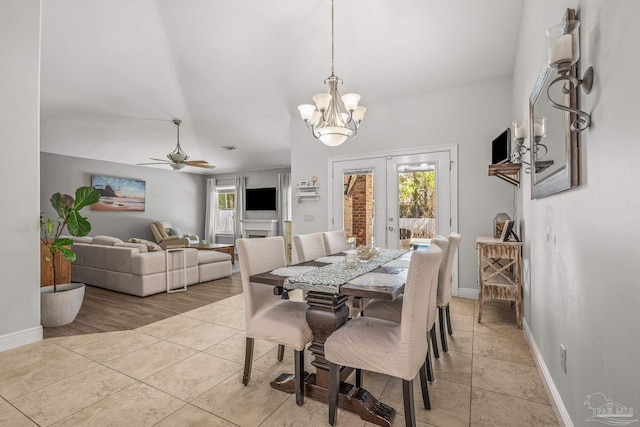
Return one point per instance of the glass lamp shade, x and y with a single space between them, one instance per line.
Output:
315 117
563 44
177 166
322 101
519 130
178 157
350 101
333 136
540 129
306 111
358 114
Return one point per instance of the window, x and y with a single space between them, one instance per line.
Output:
226 212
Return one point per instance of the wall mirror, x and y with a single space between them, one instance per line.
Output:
554 150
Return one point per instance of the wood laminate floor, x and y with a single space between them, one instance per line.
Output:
106 311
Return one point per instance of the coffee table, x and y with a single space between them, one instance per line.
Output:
219 247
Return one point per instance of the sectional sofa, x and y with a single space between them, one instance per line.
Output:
140 268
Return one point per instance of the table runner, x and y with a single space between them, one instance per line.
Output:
329 278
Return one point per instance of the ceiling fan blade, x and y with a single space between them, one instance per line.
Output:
200 165
196 162
160 160
155 163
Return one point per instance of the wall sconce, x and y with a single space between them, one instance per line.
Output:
563 52
519 132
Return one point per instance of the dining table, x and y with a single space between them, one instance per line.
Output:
329 282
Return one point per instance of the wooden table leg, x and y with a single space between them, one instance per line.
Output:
327 313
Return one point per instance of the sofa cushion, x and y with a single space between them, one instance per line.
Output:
140 246
106 240
206 257
151 247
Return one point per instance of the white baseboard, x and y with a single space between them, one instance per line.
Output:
468 293
17 339
546 376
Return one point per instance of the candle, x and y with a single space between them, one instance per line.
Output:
350 260
521 132
560 51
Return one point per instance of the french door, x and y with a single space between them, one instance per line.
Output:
398 199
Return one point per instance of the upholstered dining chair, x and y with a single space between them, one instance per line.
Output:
335 241
269 317
392 310
390 348
444 288
308 247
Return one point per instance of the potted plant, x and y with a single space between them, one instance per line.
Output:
60 304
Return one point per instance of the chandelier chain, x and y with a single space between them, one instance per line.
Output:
332 37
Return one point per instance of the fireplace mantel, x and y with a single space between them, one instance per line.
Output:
259 228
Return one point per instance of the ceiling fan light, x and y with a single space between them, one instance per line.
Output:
177 166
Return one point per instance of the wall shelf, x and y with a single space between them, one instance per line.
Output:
509 172
307 192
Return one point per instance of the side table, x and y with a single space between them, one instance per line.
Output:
499 266
168 253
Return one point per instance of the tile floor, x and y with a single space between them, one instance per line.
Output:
186 371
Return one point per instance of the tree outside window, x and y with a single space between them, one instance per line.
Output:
226 212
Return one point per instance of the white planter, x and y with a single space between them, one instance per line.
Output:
62 307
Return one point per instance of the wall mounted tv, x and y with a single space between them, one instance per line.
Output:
501 148
260 199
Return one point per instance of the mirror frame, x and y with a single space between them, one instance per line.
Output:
566 176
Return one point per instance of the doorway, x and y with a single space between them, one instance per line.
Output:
399 199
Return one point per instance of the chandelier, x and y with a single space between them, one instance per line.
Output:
333 119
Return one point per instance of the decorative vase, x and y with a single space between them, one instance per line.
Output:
60 308
498 223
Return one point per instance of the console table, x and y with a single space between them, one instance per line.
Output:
499 267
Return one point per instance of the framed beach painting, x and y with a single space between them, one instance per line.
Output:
118 194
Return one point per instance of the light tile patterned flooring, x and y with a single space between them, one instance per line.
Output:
186 371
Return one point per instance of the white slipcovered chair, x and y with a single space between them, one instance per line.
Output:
392 310
269 317
308 247
386 347
335 242
444 288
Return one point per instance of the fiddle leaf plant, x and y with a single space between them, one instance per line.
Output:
68 210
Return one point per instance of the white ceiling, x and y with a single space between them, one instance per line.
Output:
116 72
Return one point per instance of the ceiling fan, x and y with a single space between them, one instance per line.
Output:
178 159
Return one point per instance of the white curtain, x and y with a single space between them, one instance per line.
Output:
241 184
210 211
284 200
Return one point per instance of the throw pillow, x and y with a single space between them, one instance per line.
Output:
106 240
151 247
175 232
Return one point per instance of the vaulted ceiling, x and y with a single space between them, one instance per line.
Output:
116 72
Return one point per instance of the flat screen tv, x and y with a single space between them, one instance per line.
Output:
501 148
260 199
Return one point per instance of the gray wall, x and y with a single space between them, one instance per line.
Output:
470 116
581 255
19 137
175 196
